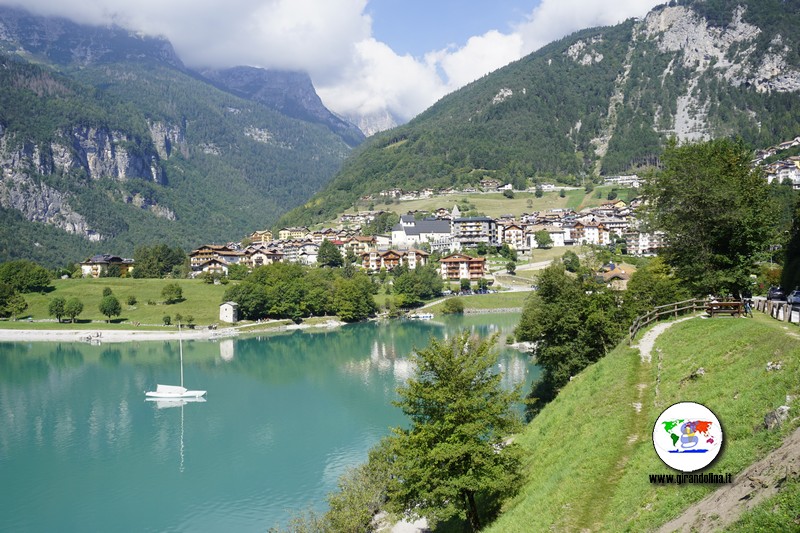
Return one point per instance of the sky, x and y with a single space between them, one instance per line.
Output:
364 57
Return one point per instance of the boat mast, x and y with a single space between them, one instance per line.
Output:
180 346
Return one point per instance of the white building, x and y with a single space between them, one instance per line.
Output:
229 312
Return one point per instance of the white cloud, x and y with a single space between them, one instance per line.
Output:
553 19
479 56
332 41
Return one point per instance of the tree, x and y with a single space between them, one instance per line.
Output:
572 322
562 193
113 271
508 252
538 192
455 450
712 205
413 286
508 193
16 305
571 261
329 255
56 307
157 261
543 239
453 306
107 291
790 277
109 306
511 267
24 276
73 308
352 298
651 286
172 293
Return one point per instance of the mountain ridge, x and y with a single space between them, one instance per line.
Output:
598 102
111 138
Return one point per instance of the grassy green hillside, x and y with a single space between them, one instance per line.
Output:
200 300
588 468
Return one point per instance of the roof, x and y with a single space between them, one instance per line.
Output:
474 219
458 258
424 226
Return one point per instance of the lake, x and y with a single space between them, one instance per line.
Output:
285 416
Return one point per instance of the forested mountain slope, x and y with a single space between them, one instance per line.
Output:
106 136
601 101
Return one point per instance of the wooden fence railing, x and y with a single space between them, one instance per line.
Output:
779 310
672 310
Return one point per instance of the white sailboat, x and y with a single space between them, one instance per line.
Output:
175 391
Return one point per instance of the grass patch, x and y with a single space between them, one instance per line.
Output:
200 300
588 467
498 300
495 204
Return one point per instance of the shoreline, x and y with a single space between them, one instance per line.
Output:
102 336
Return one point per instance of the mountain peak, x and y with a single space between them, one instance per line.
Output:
66 43
289 92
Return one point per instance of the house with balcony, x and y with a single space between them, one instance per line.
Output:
514 236
470 231
293 233
460 266
261 237
219 252
98 265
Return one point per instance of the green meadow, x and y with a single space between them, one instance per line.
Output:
200 300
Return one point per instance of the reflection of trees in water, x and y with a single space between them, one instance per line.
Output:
65 356
111 357
17 366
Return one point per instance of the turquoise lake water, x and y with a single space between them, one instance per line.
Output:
285 416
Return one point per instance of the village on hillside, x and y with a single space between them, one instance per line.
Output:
416 235
449 234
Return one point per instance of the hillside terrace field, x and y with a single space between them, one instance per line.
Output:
496 205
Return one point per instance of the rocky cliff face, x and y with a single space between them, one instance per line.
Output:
104 154
96 153
36 201
728 54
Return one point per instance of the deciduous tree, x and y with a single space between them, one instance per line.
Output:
712 205
109 307
56 307
172 292
455 451
73 308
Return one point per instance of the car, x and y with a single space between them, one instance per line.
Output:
794 297
776 293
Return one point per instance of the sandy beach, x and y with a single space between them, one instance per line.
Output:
101 336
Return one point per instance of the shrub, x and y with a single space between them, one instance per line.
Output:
453 306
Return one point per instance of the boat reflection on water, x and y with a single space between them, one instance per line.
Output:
166 403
